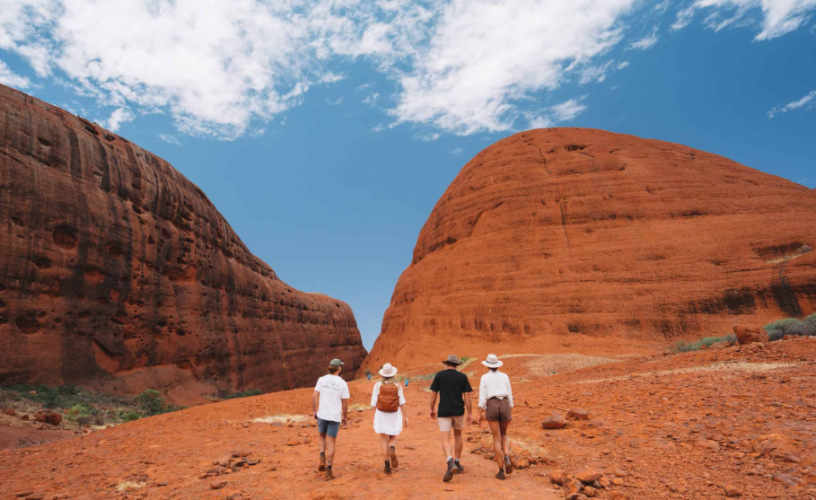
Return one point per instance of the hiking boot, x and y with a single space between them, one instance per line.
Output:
459 468
322 465
394 461
451 468
508 464
387 467
500 474
329 475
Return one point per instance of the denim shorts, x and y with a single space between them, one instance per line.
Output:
328 427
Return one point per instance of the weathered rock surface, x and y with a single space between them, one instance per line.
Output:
576 236
115 266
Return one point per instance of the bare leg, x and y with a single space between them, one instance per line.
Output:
458 443
322 442
505 440
446 446
329 450
384 441
497 442
392 441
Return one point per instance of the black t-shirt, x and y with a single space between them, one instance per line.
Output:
450 384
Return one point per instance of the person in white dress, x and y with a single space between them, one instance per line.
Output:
495 404
389 419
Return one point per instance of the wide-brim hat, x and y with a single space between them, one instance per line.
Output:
452 360
492 361
388 371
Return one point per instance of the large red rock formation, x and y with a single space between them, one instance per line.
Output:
564 239
114 266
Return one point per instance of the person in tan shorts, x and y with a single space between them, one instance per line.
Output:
495 404
453 390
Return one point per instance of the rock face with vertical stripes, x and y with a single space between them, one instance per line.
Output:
577 239
114 267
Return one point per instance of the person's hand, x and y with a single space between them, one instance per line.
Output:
479 422
405 424
469 419
315 416
344 420
433 414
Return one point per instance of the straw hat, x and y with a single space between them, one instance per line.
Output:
388 370
492 361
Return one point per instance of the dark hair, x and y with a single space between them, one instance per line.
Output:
493 369
333 369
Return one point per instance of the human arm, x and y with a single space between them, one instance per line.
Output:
345 411
469 406
404 413
509 392
434 395
315 403
375 394
483 394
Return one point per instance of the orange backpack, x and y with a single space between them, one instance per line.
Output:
388 399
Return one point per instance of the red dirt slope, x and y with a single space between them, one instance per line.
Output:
114 266
603 241
661 427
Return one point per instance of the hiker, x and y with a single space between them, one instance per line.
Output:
495 402
450 385
389 419
330 407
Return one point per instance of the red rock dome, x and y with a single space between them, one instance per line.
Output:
578 239
115 267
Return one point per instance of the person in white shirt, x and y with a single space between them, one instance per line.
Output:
389 418
330 407
495 403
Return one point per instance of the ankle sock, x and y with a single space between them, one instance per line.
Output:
449 459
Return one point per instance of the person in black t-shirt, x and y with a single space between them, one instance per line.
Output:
453 390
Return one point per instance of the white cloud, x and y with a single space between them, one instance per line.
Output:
12 79
805 103
564 112
117 118
334 102
170 139
645 43
371 99
775 17
456 151
624 64
429 137
662 6
483 56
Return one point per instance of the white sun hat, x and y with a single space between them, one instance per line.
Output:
388 370
492 361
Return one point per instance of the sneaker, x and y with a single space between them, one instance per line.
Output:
459 468
329 475
508 464
387 467
451 468
500 474
322 465
394 461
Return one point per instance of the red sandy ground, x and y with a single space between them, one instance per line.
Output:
676 426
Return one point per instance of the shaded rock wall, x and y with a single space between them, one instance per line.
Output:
112 263
577 237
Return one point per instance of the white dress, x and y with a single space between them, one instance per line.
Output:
387 423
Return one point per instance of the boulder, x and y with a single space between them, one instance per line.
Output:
750 334
554 421
576 235
118 268
577 414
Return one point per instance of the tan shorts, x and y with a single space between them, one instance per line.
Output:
446 423
498 410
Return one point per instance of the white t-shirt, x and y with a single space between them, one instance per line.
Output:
333 390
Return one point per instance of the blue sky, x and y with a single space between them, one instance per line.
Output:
325 130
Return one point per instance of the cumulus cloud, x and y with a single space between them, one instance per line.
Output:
645 43
775 17
805 103
563 112
12 79
483 56
117 118
216 66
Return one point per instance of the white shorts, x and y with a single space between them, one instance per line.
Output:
446 423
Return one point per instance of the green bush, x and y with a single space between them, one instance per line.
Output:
245 394
686 346
793 327
130 416
151 402
82 413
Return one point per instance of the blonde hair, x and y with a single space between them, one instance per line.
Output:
389 381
